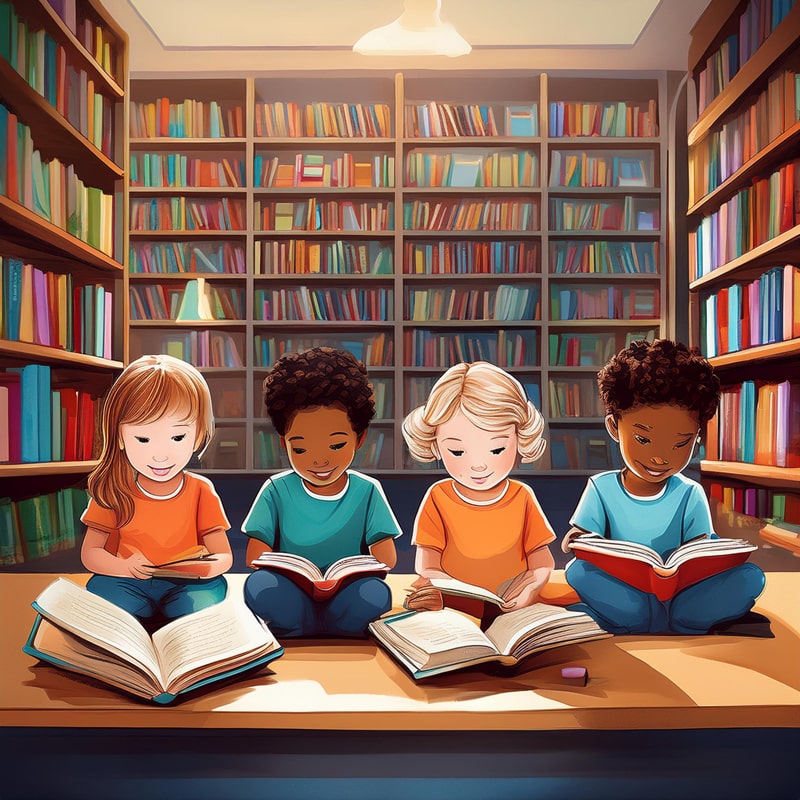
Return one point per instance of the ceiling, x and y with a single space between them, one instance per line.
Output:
191 35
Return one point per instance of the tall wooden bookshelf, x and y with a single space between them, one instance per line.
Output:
431 217
63 204
731 161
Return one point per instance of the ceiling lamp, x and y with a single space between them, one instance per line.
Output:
418 31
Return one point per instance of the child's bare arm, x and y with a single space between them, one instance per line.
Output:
569 536
524 589
255 547
385 551
100 561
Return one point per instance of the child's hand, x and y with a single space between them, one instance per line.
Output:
568 537
422 596
522 591
139 567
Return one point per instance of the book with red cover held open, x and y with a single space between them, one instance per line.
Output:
307 575
643 568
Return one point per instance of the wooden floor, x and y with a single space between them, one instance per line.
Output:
636 682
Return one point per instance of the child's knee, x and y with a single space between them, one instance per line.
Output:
376 595
258 587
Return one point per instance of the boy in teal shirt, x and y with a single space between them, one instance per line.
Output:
320 403
657 397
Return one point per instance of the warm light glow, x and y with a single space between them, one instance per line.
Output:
418 31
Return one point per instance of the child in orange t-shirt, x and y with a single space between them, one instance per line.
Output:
145 510
479 526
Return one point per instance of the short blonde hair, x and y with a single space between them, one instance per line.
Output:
148 388
488 397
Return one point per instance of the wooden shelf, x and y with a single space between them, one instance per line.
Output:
762 353
753 473
39 353
46 468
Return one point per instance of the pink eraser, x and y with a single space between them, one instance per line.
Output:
577 675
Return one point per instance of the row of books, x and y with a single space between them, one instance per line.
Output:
196 300
754 215
39 422
324 215
46 66
368 456
436 119
613 119
321 119
576 397
187 119
599 256
373 349
178 170
471 215
606 302
187 214
601 168
47 308
449 257
51 189
743 315
302 303
758 19
34 527
582 448
468 169
757 423
743 136
327 171
203 348
506 302
624 214
756 501
170 257
506 348
338 257
96 39
590 349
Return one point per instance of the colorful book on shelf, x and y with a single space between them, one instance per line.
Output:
464 170
428 643
321 585
195 304
643 568
84 633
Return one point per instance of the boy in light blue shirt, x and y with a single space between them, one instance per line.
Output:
657 397
320 403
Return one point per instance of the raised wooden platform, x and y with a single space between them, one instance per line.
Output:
636 683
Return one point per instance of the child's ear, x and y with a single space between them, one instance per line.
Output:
360 439
611 427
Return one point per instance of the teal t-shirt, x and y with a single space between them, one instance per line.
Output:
289 518
663 522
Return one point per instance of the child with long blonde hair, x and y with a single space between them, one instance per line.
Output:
478 525
145 510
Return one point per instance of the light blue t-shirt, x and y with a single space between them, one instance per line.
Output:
663 522
289 518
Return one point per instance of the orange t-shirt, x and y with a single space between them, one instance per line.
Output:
162 528
482 544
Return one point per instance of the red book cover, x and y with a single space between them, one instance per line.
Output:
69 405
641 567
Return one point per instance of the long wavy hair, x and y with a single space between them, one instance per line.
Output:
489 397
147 389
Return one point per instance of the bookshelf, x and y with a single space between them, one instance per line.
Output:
63 202
744 253
419 219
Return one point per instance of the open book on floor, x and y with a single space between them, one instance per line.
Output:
644 569
84 633
431 642
307 575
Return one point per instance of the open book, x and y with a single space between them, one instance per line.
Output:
644 569
459 588
84 633
321 586
431 642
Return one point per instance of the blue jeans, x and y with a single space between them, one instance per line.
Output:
289 611
619 608
154 598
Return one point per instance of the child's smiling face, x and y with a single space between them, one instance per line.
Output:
655 441
321 444
477 459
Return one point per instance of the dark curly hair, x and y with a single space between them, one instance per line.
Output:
663 371
321 376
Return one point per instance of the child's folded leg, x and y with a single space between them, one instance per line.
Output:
131 594
284 606
186 596
354 606
720 598
616 606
